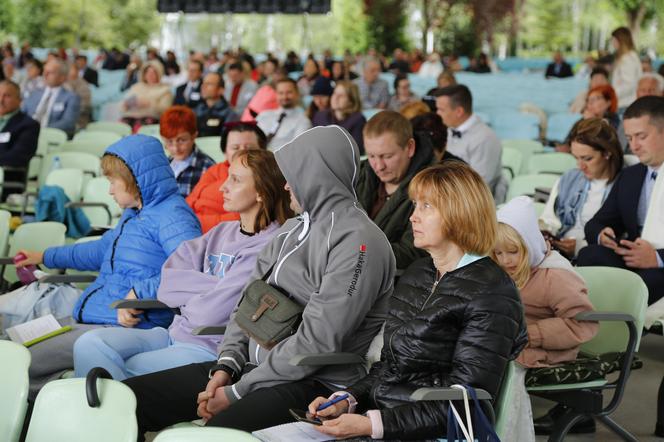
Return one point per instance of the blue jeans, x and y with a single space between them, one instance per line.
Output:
128 352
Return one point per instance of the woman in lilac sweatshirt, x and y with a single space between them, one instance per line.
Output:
203 278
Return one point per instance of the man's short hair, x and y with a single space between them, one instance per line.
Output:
221 82
388 121
36 63
459 95
287 80
82 57
655 76
15 87
201 66
237 66
599 70
651 106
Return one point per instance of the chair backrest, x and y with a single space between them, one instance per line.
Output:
122 129
95 142
631 159
50 138
614 290
526 184
13 388
554 162
90 164
526 147
150 129
559 125
70 180
5 216
34 236
510 124
504 400
368 113
512 160
204 434
96 191
211 147
62 413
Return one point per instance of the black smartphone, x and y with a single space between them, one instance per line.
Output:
304 416
613 238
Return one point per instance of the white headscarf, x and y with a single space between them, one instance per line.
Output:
520 214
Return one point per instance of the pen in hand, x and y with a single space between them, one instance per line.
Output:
332 401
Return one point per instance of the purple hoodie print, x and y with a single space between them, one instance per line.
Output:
205 277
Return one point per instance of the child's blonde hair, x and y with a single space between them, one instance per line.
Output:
507 238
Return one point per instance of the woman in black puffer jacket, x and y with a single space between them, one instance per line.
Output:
455 317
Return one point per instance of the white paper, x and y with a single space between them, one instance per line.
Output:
294 432
33 329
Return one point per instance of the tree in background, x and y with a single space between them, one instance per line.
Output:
31 21
638 12
386 24
6 18
351 26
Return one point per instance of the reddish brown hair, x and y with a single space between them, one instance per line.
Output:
177 119
608 93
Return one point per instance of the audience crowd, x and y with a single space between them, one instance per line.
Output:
382 217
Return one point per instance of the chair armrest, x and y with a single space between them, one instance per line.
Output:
141 304
67 278
12 185
604 316
104 206
541 194
322 359
6 260
446 394
209 330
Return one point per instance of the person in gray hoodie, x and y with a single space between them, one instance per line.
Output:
332 260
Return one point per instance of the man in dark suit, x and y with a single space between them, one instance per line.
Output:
213 110
614 233
54 106
559 68
190 93
18 135
86 72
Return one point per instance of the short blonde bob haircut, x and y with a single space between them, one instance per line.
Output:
464 202
509 239
114 167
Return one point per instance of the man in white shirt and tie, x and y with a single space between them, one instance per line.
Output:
469 138
287 121
54 106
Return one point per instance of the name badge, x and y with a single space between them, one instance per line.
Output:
4 137
58 107
213 122
195 96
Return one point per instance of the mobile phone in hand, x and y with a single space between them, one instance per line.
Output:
613 238
304 416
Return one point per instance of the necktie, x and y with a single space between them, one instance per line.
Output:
40 113
653 175
456 133
276 127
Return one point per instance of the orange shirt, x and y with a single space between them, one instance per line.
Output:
206 199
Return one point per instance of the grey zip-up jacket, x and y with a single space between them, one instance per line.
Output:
333 259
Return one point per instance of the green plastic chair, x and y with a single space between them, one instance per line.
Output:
512 159
526 184
527 148
204 434
555 162
32 236
210 147
620 298
95 142
88 163
98 205
150 129
122 129
62 413
50 138
13 389
70 180
5 216
504 400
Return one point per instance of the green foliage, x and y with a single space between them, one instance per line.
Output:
6 18
548 25
457 33
132 21
31 21
386 24
350 25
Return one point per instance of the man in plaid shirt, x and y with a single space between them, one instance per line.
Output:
178 129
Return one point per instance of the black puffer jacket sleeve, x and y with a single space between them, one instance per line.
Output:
482 351
361 390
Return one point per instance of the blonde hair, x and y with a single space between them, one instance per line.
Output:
113 166
414 109
464 202
507 238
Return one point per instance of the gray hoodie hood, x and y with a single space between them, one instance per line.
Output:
331 184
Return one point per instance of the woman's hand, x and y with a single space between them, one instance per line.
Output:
32 258
346 425
334 410
126 316
566 246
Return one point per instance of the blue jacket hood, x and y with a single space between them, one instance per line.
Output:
144 155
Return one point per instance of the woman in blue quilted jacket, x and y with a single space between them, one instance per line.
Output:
156 219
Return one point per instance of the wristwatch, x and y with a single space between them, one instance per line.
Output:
215 368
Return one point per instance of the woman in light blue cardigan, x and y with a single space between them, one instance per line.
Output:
579 193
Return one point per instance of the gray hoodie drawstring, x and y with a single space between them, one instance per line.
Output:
305 229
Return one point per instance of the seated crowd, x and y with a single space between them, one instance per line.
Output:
294 209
